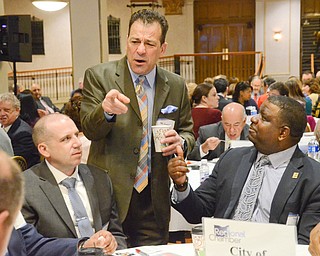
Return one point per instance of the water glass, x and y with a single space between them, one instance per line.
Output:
198 240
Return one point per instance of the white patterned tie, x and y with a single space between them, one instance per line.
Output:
141 180
250 191
82 220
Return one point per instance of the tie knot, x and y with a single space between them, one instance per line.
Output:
264 160
69 182
139 85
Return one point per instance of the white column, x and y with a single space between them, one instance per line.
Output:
85 36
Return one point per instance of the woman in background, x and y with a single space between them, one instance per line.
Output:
242 94
204 100
294 85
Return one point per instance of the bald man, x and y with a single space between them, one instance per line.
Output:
44 103
211 142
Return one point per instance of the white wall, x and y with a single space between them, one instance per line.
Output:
85 36
57 37
180 34
282 57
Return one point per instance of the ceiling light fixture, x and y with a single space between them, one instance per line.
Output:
50 5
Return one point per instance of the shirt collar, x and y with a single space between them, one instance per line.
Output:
59 175
228 139
279 158
7 128
150 77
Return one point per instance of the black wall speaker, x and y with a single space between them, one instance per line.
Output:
15 38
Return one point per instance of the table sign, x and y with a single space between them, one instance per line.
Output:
238 238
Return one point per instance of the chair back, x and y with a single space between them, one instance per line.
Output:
21 161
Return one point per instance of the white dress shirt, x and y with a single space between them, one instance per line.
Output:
80 188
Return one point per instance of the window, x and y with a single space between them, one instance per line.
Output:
37 37
114 35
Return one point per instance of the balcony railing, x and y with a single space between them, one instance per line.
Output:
196 67
57 82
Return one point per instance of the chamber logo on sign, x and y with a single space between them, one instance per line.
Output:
225 234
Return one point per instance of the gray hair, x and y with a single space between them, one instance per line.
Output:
11 98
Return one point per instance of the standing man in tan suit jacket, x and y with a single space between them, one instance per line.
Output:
111 119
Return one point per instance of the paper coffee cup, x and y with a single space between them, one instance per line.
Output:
158 134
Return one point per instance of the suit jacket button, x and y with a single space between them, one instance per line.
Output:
136 151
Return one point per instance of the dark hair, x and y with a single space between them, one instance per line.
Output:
308 72
280 87
201 90
29 109
72 109
268 80
291 114
241 86
221 85
149 17
79 91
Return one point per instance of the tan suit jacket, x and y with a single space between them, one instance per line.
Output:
115 145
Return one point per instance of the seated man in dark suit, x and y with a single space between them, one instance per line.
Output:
213 138
25 240
43 102
60 209
18 130
287 182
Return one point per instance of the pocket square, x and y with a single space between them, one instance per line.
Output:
169 109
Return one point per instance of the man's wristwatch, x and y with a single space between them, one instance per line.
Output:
182 187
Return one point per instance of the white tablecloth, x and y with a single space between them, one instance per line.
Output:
177 221
187 250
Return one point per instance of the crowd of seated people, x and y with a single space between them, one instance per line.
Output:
232 126
253 93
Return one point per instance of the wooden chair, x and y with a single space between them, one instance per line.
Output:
21 162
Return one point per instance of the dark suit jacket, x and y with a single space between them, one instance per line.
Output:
115 145
44 206
26 241
49 102
213 130
219 194
20 134
223 102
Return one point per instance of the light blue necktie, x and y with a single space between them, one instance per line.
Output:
82 220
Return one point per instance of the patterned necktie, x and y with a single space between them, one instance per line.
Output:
141 180
82 220
250 191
